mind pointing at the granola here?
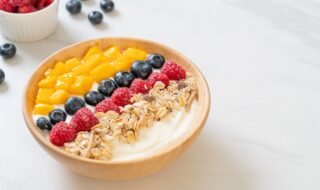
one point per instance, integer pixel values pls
(142, 113)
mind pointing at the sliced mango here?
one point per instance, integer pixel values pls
(103, 71)
(59, 97)
(81, 85)
(48, 82)
(112, 53)
(122, 63)
(135, 54)
(94, 60)
(44, 95)
(64, 81)
(90, 52)
(42, 109)
(72, 63)
(81, 70)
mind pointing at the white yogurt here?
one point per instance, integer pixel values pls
(155, 138)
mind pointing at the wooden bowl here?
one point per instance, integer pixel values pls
(116, 170)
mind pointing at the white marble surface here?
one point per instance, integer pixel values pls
(262, 62)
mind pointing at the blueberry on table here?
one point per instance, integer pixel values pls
(8, 50)
(106, 5)
(141, 69)
(2, 76)
(107, 86)
(93, 98)
(155, 60)
(73, 104)
(73, 6)
(124, 79)
(95, 17)
(57, 115)
(43, 123)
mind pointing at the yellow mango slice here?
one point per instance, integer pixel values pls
(90, 52)
(72, 63)
(81, 70)
(122, 63)
(59, 68)
(103, 71)
(42, 109)
(94, 60)
(59, 97)
(81, 85)
(112, 53)
(65, 81)
(44, 95)
(48, 82)
(135, 54)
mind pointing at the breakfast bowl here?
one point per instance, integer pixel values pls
(29, 27)
(120, 169)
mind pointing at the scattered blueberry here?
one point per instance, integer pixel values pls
(124, 79)
(57, 115)
(8, 50)
(73, 6)
(95, 17)
(2, 76)
(156, 60)
(107, 86)
(106, 5)
(93, 98)
(141, 69)
(43, 123)
(73, 104)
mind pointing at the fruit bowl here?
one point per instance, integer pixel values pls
(118, 169)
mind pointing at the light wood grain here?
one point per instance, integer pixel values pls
(117, 170)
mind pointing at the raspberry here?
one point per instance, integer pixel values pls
(5, 6)
(19, 3)
(62, 133)
(173, 71)
(40, 4)
(26, 9)
(83, 120)
(107, 105)
(155, 77)
(121, 96)
(139, 86)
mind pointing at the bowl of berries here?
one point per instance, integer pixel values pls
(28, 20)
(116, 108)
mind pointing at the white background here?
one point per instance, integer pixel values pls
(262, 61)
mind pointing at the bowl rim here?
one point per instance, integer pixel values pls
(43, 141)
(32, 13)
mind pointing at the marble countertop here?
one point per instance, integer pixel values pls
(262, 62)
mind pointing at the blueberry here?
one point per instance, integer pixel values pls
(124, 79)
(141, 69)
(57, 115)
(73, 6)
(93, 98)
(106, 5)
(2, 76)
(8, 50)
(156, 60)
(73, 104)
(43, 123)
(95, 17)
(107, 86)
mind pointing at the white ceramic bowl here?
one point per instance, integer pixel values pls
(29, 27)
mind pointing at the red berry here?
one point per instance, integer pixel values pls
(107, 105)
(48, 2)
(26, 9)
(40, 4)
(62, 133)
(155, 77)
(121, 96)
(19, 3)
(5, 6)
(139, 86)
(173, 71)
(83, 120)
